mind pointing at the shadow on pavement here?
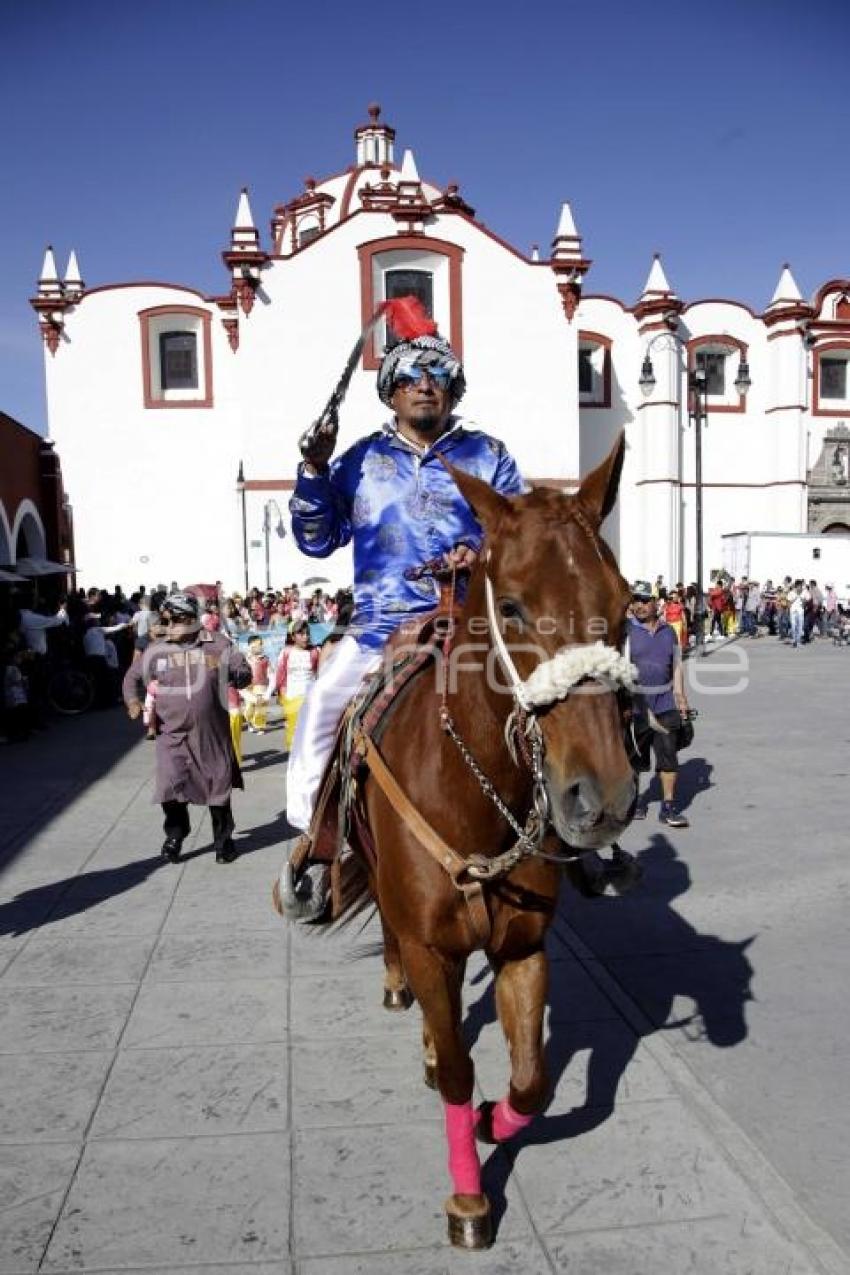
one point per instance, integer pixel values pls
(52, 769)
(274, 833)
(657, 957)
(252, 762)
(694, 778)
(46, 904)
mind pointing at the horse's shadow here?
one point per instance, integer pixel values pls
(660, 961)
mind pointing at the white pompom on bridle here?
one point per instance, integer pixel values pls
(554, 678)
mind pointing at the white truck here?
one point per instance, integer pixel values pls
(773, 555)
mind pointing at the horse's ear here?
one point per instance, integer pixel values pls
(488, 505)
(598, 491)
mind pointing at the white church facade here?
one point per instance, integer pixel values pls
(177, 413)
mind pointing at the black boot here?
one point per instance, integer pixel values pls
(226, 853)
(171, 849)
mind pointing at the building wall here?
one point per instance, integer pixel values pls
(155, 488)
(34, 518)
(148, 485)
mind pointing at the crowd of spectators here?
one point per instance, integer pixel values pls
(794, 611)
(96, 632)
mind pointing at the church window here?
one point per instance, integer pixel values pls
(594, 370)
(406, 283)
(404, 265)
(178, 360)
(833, 378)
(308, 234)
(713, 364)
(176, 356)
(716, 360)
(585, 370)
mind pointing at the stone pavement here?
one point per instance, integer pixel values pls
(188, 1084)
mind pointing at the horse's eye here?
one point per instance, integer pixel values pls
(509, 610)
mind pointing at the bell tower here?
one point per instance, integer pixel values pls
(375, 141)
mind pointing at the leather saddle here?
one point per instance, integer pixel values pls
(410, 650)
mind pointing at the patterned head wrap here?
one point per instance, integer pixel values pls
(182, 606)
(425, 352)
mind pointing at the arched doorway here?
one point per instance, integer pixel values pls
(6, 555)
(28, 536)
(836, 529)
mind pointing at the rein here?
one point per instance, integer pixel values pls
(553, 679)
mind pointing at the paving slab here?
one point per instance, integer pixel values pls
(169, 1202)
(338, 1007)
(187, 1092)
(349, 1082)
(649, 1162)
(219, 955)
(51, 1098)
(373, 1188)
(33, 1182)
(701, 1246)
(49, 960)
(218, 1045)
(211, 1012)
(61, 1019)
(509, 1257)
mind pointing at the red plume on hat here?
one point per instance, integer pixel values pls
(408, 318)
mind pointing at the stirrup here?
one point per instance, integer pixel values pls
(304, 898)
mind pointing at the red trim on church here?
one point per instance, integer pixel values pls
(718, 339)
(144, 325)
(817, 410)
(415, 243)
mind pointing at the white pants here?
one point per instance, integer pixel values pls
(318, 720)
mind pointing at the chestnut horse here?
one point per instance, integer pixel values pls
(545, 583)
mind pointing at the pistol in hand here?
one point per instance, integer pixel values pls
(317, 443)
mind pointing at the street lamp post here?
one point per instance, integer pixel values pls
(240, 487)
(697, 383)
(267, 526)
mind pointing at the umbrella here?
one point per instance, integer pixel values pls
(42, 567)
(315, 580)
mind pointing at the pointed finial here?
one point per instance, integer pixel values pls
(374, 110)
(72, 270)
(786, 291)
(244, 216)
(409, 171)
(656, 281)
(566, 224)
(48, 269)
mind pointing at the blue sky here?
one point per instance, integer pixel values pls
(715, 133)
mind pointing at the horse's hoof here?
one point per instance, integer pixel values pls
(429, 1074)
(470, 1225)
(484, 1123)
(397, 998)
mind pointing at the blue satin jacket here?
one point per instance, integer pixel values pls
(400, 507)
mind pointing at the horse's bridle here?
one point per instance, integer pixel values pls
(553, 679)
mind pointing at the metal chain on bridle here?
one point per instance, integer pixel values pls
(524, 728)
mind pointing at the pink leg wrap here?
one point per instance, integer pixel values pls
(507, 1122)
(464, 1165)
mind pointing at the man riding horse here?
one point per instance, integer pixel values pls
(391, 496)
